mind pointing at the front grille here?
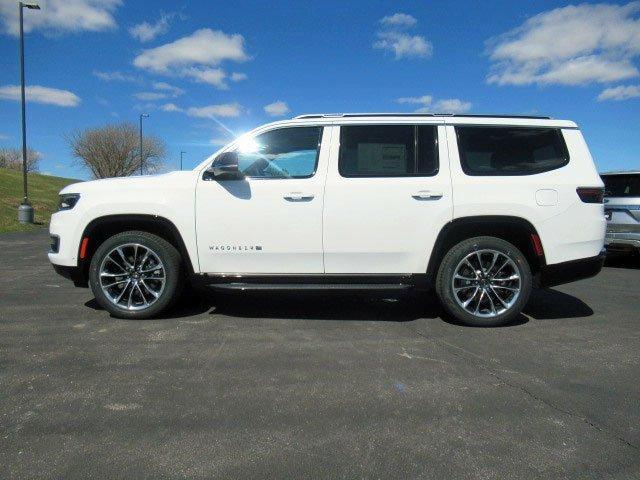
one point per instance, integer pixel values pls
(55, 243)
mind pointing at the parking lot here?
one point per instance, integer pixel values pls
(293, 386)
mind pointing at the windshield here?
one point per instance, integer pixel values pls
(621, 185)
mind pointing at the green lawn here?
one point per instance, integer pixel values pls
(43, 194)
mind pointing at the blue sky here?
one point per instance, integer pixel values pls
(196, 65)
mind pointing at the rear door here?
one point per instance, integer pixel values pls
(388, 193)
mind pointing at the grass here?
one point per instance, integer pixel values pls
(43, 195)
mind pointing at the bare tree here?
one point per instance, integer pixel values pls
(114, 151)
(12, 158)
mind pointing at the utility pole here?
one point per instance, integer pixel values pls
(181, 153)
(25, 210)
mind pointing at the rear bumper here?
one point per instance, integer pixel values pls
(75, 274)
(567, 272)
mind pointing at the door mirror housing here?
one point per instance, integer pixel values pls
(224, 167)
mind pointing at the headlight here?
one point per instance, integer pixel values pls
(68, 201)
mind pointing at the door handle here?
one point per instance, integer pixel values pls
(427, 195)
(298, 197)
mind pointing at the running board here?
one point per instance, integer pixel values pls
(240, 286)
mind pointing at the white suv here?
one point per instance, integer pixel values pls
(480, 208)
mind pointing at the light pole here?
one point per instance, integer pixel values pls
(142, 115)
(181, 153)
(25, 210)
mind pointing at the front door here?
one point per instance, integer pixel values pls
(269, 222)
(386, 199)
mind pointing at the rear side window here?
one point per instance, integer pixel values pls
(621, 185)
(388, 150)
(510, 150)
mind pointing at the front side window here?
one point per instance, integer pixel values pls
(388, 150)
(496, 151)
(283, 153)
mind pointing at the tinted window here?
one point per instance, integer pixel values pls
(283, 153)
(621, 185)
(388, 150)
(510, 150)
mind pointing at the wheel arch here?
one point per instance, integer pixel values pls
(101, 228)
(516, 230)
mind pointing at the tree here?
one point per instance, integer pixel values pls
(12, 158)
(114, 151)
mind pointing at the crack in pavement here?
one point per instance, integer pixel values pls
(482, 364)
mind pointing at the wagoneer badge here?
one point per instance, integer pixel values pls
(235, 248)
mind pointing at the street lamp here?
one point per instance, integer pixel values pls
(142, 115)
(181, 153)
(25, 210)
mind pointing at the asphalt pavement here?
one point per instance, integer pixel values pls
(315, 386)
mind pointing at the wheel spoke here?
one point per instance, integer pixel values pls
(515, 276)
(506, 288)
(479, 255)
(473, 295)
(124, 259)
(129, 302)
(459, 289)
(144, 259)
(117, 300)
(504, 304)
(107, 274)
(462, 277)
(493, 306)
(482, 293)
(150, 290)
(493, 263)
(113, 260)
(144, 300)
(115, 283)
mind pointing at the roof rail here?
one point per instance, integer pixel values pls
(352, 115)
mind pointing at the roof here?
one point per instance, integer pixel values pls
(354, 115)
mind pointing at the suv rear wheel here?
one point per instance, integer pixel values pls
(484, 281)
(135, 275)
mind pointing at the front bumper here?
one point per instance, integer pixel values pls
(567, 272)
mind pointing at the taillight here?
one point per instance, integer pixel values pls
(591, 194)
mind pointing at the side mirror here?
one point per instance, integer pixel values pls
(225, 167)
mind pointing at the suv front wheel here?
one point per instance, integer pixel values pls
(135, 275)
(484, 281)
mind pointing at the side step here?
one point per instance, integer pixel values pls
(242, 286)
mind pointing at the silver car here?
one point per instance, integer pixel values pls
(622, 209)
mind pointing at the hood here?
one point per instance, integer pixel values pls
(131, 183)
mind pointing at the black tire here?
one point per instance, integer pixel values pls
(444, 281)
(171, 261)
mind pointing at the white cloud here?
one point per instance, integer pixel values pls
(115, 76)
(196, 56)
(220, 141)
(213, 111)
(622, 92)
(39, 94)
(4, 137)
(203, 47)
(399, 20)
(277, 109)
(427, 104)
(212, 76)
(392, 38)
(238, 77)
(146, 31)
(171, 107)
(163, 86)
(149, 96)
(58, 16)
(573, 45)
